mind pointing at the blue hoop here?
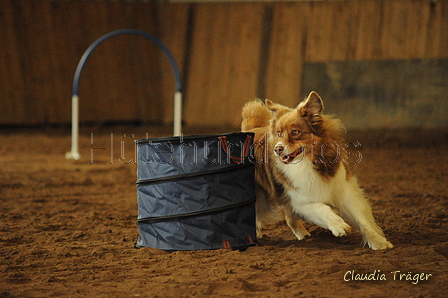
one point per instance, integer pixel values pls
(74, 153)
(149, 36)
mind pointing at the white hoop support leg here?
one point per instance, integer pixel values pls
(74, 154)
(177, 113)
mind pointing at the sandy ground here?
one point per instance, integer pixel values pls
(68, 228)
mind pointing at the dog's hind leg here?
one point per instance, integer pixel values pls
(266, 211)
(294, 222)
(261, 214)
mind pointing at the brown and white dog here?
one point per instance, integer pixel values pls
(301, 171)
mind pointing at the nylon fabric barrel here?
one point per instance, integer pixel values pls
(196, 192)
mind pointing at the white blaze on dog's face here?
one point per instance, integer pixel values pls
(295, 129)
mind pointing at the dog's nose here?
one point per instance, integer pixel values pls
(278, 150)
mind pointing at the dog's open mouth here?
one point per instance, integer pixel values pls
(288, 158)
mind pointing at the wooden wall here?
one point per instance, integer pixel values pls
(228, 53)
(41, 44)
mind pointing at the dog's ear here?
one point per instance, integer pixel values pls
(275, 108)
(312, 105)
(311, 108)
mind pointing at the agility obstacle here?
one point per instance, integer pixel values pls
(74, 153)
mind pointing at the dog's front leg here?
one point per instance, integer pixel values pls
(323, 216)
(356, 210)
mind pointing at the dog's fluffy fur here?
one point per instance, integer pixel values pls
(301, 171)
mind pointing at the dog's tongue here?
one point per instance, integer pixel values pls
(285, 159)
(288, 158)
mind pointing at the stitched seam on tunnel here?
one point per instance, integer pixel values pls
(178, 177)
(178, 217)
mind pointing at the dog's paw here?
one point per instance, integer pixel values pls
(340, 228)
(376, 241)
(380, 244)
(301, 234)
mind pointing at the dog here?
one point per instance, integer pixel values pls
(301, 171)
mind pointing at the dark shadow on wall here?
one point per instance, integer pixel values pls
(386, 93)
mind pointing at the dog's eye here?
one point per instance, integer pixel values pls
(279, 133)
(295, 132)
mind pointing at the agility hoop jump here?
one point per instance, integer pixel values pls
(74, 153)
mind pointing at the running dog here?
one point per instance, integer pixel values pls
(301, 171)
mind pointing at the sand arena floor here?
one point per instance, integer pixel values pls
(68, 228)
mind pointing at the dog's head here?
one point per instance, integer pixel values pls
(297, 130)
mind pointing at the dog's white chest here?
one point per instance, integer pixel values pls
(307, 185)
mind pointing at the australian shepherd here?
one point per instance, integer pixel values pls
(301, 171)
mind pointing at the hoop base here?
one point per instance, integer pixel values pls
(72, 155)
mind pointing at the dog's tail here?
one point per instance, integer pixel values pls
(255, 114)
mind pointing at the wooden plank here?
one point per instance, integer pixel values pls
(49, 99)
(415, 31)
(398, 29)
(12, 81)
(433, 28)
(319, 31)
(343, 30)
(208, 70)
(287, 50)
(395, 21)
(94, 103)
(442, 7)
(403, 36)
(173, 20)
(368, 30)
(224, 62)
(69, 48)
(33, 52)
(331, 31)
(244, 58)
(120, 85)
(146, 64)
